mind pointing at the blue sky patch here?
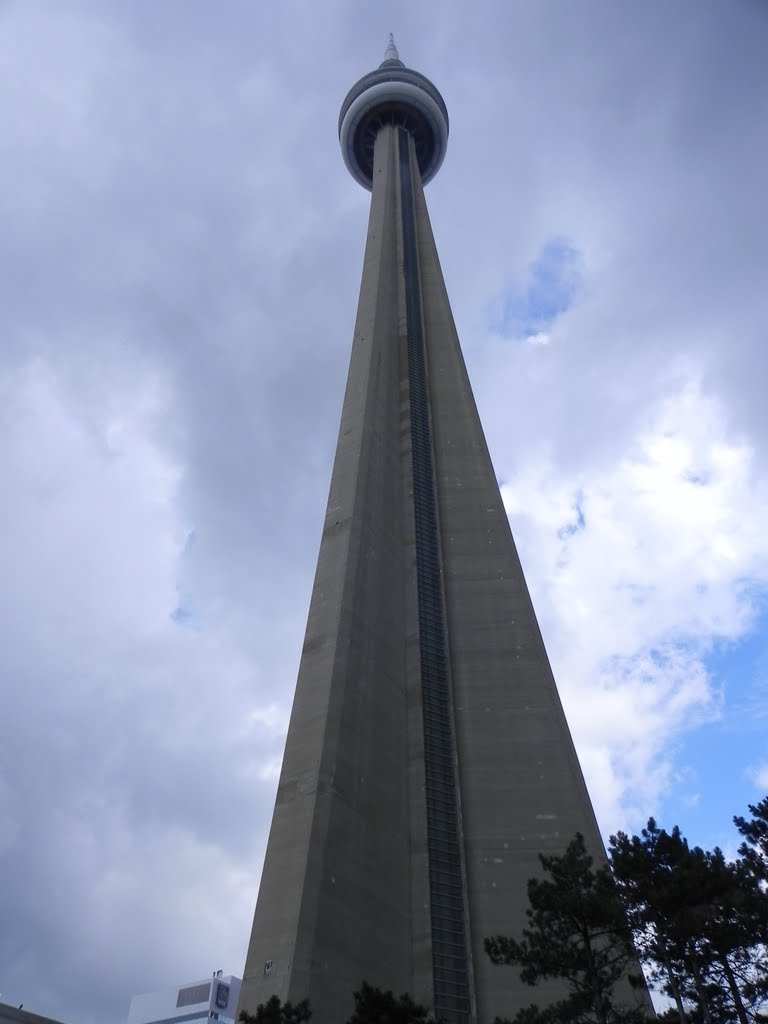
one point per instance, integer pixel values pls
(181, 615)
(711, 789)
(553, 282)
(577, 523)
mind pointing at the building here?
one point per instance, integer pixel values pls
(428, 760)
(18, 1015)
(213, 998)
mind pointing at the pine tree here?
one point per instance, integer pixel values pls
(276, 1012)
(698, 922)
(753, 863)
(375, 1006)
(577, 933)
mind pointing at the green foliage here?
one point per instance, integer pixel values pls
(755, 832)
(276, 1012)
(753, 852)
(577, 933)
(374, 1006)
(699, 921)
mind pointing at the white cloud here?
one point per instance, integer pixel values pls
(128, 738)
(657, 556)
(758, 774)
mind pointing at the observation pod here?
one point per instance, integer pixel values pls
(393, 94)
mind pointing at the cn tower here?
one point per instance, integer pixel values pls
(428, 761)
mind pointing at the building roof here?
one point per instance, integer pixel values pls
(18, 1015)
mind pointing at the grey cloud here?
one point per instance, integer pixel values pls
(178, 223)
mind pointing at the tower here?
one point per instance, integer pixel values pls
(428, 760)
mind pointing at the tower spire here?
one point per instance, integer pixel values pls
(391, 56)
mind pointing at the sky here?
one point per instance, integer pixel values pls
(180, 256)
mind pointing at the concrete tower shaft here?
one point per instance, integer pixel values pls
(428, 761)
(344, 890)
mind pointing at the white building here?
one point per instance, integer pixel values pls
(212, 998)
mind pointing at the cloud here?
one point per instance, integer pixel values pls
(179, 266)
(127, 739)
(637, 571)
(758, 774)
